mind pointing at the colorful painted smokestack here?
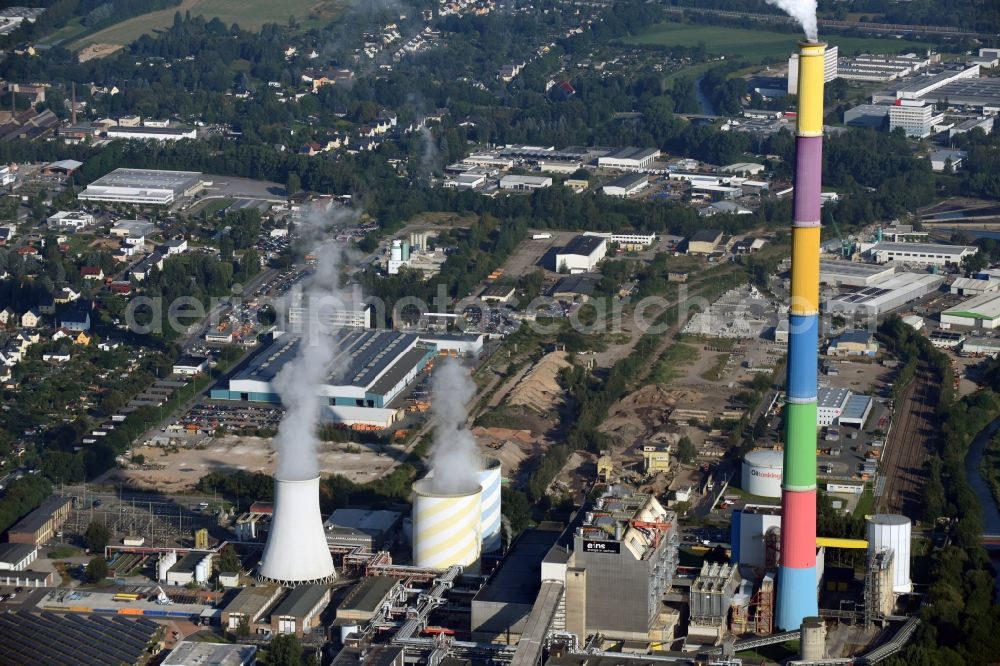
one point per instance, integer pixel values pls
(797, 595)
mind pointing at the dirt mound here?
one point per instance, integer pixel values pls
(98, 51)
(539, 389)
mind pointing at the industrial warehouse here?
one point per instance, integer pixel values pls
(377, 364)
(143, 186)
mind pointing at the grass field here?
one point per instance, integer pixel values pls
(247, 13)
(758, 44)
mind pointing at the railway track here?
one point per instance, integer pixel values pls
(906, 453)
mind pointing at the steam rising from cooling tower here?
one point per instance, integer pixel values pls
(803, 11)
(455, 461)
(297, 552)
(299, 382)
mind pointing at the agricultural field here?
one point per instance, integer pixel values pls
(247, 13)
(759, 44)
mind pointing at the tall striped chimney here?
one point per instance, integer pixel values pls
(797, 585)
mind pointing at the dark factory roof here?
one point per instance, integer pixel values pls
(583, 245)
(366, 353)
(27, 639)
(518, 577)
(301, 600)
(369, 594)
(188, 563)
(36, 520)
(14, 553)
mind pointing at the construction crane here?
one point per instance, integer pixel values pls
(846, 246)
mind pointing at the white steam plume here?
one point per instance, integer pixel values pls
(455, 459)
(300, 380)
(803, 11)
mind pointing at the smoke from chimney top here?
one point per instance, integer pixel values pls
(803, 11)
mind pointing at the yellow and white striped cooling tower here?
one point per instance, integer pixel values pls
(446, 528)
(489, 526)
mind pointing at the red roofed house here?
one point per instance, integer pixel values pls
(92, 273)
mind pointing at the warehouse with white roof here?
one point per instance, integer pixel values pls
(885, 296)
(143, 186)
(926, 254)
(982, 311)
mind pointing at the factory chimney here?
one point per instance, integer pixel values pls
(797, 595)
(72, 103)
(296, 552)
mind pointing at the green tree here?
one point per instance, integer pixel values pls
(229, 561)
(285, 651)
(97, 569)
(294, 184)
(96, 536)
(516, 508)
(686, 450)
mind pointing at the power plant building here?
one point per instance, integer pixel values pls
(615, 564)
(504, 603)
(41, 524)
(299, 612)
(367, 529)
(755, 536)
(711, 596)
(250, 606)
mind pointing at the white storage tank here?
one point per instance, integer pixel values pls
(762, 471)
(396, 252)
(490, 480)
(203, 570)
(887, 530)
(446, 526)
(166, 561)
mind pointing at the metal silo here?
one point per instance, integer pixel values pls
(887, 530)
(446, 527)
(489, 526)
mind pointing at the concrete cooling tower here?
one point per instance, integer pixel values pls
(446, 527)
(296, 552)
(489, 526)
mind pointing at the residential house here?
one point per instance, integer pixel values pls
(75, 320)
(8, 316)
(174, 246)
(92, 273)
(141, 270)
(81, 338)
(46, 305)
(7, 234)
(66, 295)
(31, 319)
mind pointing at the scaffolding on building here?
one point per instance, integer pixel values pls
(878, 586)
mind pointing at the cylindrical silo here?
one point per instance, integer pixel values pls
(489, 526)
(396, 252)
(166, 561)
(406, 250)
(203, 570)
(296, 552)
(762, 471)
(446, 527)
(813, 645)
(887, 530)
